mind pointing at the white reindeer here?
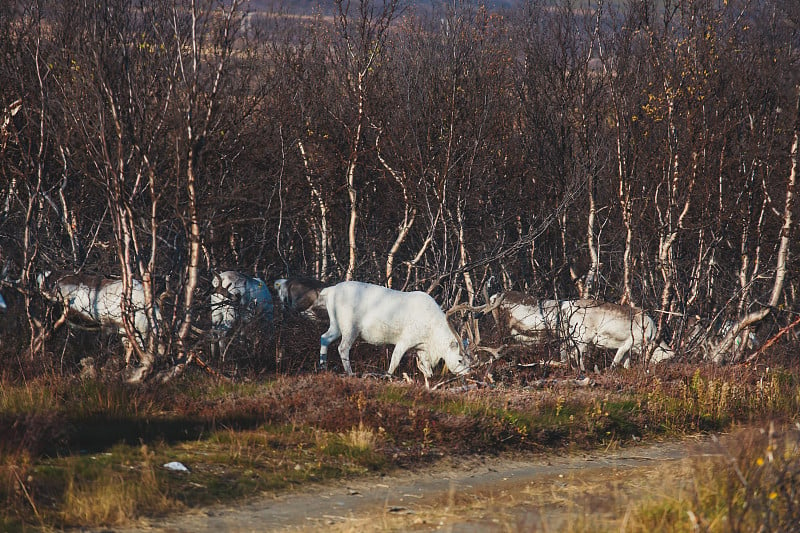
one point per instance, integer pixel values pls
(408, 320)
(528, 321)
(582, 323)
(703, 335)
(237, 297)
(610, 326)
(98, 301)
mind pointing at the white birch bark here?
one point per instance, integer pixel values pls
(321, 233)
(723, 349)
(409, 215)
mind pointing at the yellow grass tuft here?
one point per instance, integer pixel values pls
(361, 438)
(112, 498)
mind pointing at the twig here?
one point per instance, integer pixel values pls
(552, 363)
(445, 382)
(27, 494)
(194, 358)
(773, 340)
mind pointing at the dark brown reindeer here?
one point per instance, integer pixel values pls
(237, 298)
(298, 294)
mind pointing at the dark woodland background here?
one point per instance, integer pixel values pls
(632, 151)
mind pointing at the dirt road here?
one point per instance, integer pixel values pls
(589, 491)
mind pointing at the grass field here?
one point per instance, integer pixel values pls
(90, 452)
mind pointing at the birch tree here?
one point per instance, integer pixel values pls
(202, 50)
(723, 349)
(362, 36)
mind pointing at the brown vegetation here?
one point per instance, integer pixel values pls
(89, 452)
(640, 152)
(636, 152)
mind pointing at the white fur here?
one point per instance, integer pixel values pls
(408, 320)
(282, 288)
(582, 323)
(614, 327)
(745, 340)
(703, 335)
(529, 321)
(98, 300)
(238, 297)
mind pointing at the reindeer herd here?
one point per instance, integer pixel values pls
(409, 321)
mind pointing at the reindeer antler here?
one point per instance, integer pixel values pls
(495, 352)
(486, 308)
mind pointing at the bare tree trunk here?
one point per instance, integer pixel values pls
(671, 223)
(124, 222)
(696, 277)
(30, 249)
(625, 204)
(574, 275)
(351, 186)
(422, 249)
(196, 134)
(193, 268)
(463, 257)
(322, 235)
(719, 352)
(409, 215)
(750, 269)
(623, 190)
(363, 46)
(592, 276)
(67, 215)
(590, 284)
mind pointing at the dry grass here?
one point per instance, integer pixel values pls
(72, 450)
(361, 438)
(754, 485)
(112, 498)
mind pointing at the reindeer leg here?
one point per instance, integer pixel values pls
(622, 351)
(571, 348)
(278, 349)
(214, 346)
(424, 366)
(565, 351)
(579, 355)
(344, 352)
(224, 343)
(327, 338)
(397, 356)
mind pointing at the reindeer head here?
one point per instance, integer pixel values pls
(468, 350)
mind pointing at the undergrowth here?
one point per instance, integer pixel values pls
(91, 452)
(753, 485)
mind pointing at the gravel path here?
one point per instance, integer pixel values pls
(546, 493)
